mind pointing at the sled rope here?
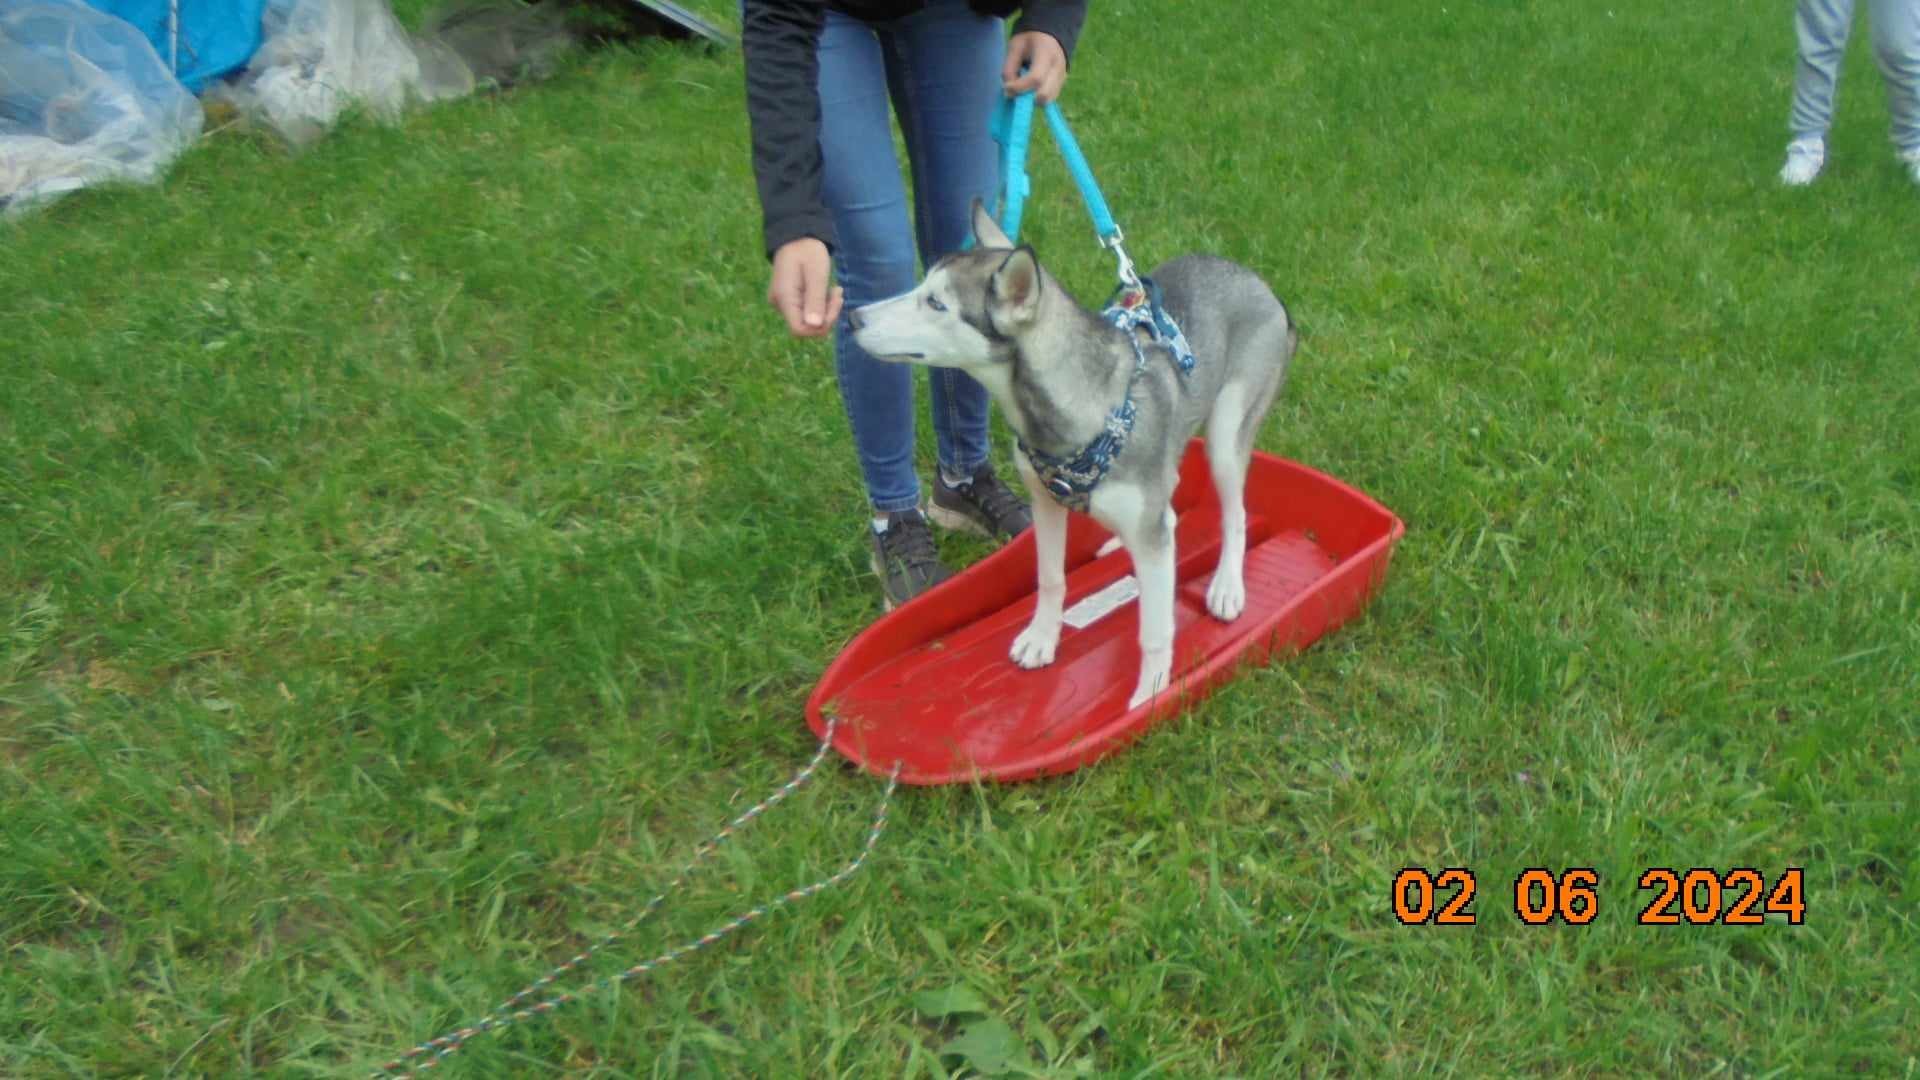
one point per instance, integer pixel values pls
(514, 1009)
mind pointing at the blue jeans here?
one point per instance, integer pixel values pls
(940, 69)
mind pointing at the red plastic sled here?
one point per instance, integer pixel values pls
(930, 687)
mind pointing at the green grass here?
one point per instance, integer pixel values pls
(410, 549)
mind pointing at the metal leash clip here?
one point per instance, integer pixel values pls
(1129, 277)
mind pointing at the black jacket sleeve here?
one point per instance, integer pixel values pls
(781, 39)
(1060, 18)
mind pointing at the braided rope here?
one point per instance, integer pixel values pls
(511, 1011)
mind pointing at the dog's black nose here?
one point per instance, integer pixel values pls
(854, 320)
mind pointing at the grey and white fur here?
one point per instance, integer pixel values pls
(1056, 369)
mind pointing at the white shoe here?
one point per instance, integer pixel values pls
(1911, 159)
(1804, 159)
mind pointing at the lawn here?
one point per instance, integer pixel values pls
(411, 549)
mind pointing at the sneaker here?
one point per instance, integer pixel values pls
(982, 504)
(904, 558)
(1911, 159)
(1804, 159)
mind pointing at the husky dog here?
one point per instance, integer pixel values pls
(1061, 374)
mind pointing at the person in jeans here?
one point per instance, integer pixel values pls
(1822, 27)
(821, 76)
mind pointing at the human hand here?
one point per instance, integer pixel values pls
(1045, 62)
(798, 289)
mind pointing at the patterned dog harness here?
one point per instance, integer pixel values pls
(1134, 308)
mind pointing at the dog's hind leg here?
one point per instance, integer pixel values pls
(1113, 543)
(1035, 645)
(1227, 593)
(1231, 427)
(1274, 345)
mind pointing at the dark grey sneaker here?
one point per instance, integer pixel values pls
(904, 557)
(982, 504)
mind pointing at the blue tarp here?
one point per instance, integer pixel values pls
(83, 100)
(216, 37)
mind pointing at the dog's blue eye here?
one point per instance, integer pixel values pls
(935, 304)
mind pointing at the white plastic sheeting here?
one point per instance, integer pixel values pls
(84, 99)
(322, 56)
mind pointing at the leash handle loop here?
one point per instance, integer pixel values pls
(1013, 129)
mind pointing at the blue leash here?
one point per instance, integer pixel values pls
(1135, 307)
(1012, 128)
(1082, 174)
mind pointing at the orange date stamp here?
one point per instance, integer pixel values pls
(1696, 897)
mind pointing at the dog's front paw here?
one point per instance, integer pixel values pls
(1227, 596)
(1153, 679)
(1035, 645)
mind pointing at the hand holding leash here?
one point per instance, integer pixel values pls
(1036, 64)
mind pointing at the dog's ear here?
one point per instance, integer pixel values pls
(1016, 286)
(986, 231)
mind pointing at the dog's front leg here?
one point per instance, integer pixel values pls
(1152, 551)
(1036, 644)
